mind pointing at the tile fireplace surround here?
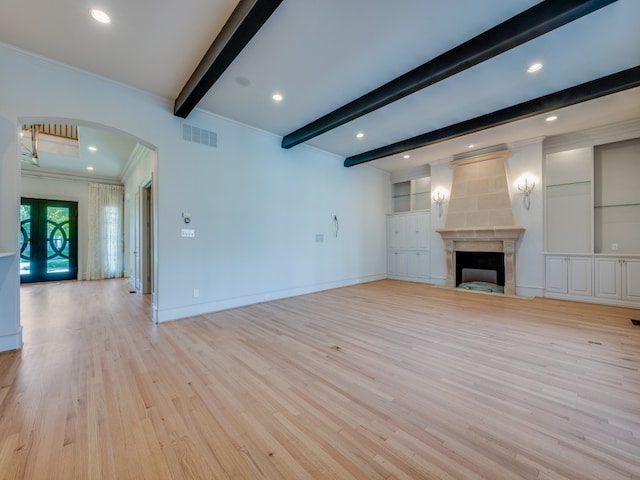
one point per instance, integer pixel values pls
(480, 217)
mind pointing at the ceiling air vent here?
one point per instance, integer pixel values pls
(199, 135)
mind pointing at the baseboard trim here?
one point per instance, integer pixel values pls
(11, 341)
(409, 279)
(592, 299)
(524, 291)
(162, 315)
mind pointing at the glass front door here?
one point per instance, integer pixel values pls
(48, 240)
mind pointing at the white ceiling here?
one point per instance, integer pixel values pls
(109, 156)
(322, 54)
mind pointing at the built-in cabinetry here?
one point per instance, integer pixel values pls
(617, 278)
(592, 223)
(408, 246)
(569, 275)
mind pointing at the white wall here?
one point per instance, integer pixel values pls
(143, 168)
(441, 178)
(525, 159)
(256, 207)
(10, 329)
(67, 190)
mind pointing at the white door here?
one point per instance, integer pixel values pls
(135, 262)
(147, 239)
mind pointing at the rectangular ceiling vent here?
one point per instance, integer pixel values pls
(194, 134)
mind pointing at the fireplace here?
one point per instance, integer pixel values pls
(497, 239)
(480, 221)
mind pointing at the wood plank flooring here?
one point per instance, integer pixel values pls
(386, 380)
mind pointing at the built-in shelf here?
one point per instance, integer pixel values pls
(407, 195)
(411, 195)
(7, 254)
(621, 205)
(587, 182)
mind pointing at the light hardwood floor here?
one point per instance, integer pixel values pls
(387, 380)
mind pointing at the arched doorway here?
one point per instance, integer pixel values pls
(116, 159)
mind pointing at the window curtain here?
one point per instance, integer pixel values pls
(106, 235)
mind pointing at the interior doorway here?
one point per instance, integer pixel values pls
(146, 238)
(66, 167)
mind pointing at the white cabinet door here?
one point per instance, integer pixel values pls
(418, 230)
(392, 263)
(398, 263)
(608, 276)
(556, 274)
(397, 231)
(418, 264)
(423, 264)
(579, 276)
(402, 263)
(631, 279)
(569, 275)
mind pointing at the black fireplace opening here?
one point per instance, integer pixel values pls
(480, 267)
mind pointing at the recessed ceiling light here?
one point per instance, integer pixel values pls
(551, 118)
(359, 135)
(277, 97)
(92, 148)
(534, 67)
(406, 156)
(472, 145)
(100, 16)
(90, 168)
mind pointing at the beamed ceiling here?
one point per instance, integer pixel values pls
(419, 78)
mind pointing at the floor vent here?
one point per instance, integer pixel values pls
(635, 322)
(199, 135)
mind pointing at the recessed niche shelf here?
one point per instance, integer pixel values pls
(411, 195)
(621, 205)
(407, 195)
(568, 184)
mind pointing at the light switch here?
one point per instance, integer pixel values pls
(188, 232)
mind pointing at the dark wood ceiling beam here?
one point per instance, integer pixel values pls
(600, 87)
(246, 19)
(537, 20)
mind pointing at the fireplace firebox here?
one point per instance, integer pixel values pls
(480, 267)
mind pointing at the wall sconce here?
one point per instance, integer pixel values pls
(438, 199)
(526, 189)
